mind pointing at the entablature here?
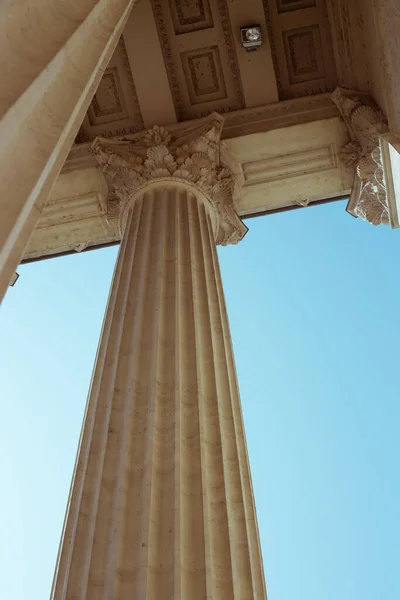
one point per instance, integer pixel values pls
(283, 155)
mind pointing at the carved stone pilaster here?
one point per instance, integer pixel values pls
(366, 123)
(190, 155)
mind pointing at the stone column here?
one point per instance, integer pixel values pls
(52, 56)
(161, 506)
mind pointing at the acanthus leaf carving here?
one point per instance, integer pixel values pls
(366, 123)
(191, 155)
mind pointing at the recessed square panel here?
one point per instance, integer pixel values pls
(304, 54)
(190, 15)
(287, 5)
(201, 64)
(203, 74)
(108, 103)
(114, 109)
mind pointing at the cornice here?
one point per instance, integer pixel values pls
(237, 124)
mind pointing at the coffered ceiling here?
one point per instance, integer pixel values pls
(301, 47)
(182, 59)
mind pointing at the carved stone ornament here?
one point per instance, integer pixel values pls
(365, 123)
(190, 155)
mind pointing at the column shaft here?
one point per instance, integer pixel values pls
(161, 506)
(49, 83)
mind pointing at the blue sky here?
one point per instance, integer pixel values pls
(313, 297)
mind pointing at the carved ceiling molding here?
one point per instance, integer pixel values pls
(127, 68)
(339, 18)
(158, 9)
(230, 45)
(190, 156)
(348, 37)
(299, 37)
(238, 123)
(123, 118)
(366, 123)
(272, 43)
(177, 54)
(279, 114)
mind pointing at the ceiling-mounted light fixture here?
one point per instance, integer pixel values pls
(251, 37)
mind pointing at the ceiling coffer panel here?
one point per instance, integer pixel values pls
(192, 15)
(114, 109)
(199, 55)
(301, 47)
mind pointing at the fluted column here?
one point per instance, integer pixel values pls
(161, 506)
(52, 56)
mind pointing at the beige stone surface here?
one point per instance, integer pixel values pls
(148, 75)
(386, 17)
(366, 45)
(351, 42)
(49, 82)
(161, 505)
(285, 166)
(256, 68)
(76, 215)
(290, 166)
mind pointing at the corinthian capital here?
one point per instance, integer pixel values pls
(190, 155)
(366, 123)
